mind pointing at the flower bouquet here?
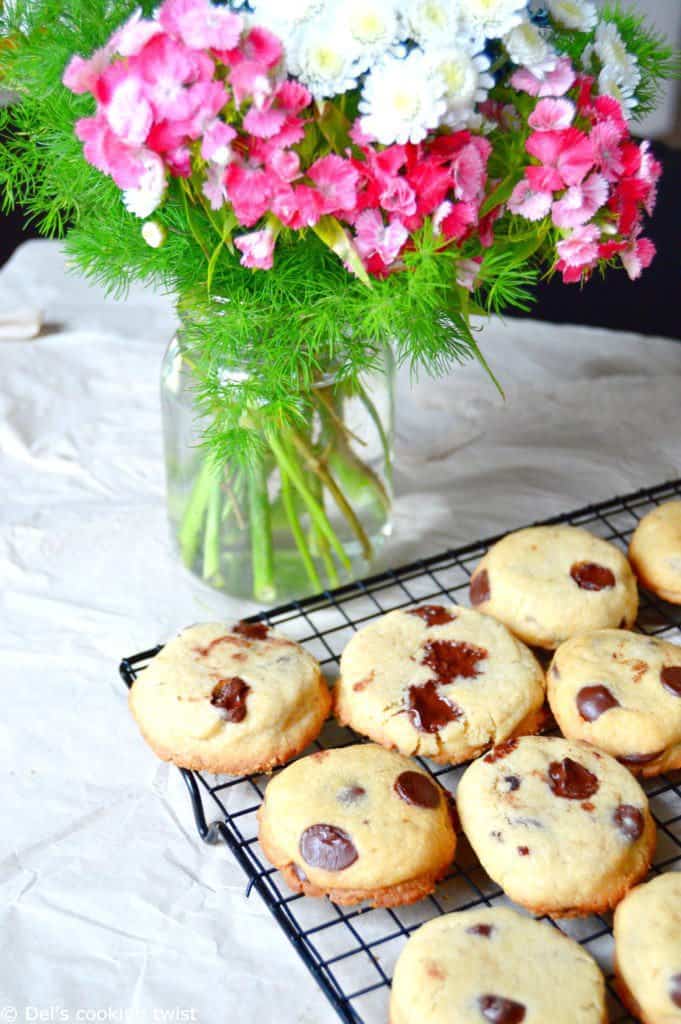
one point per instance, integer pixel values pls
(324, 185)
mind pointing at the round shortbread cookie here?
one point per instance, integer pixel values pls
(234, 700)
(655, 551)
(358, 823)
(443, 682)
(647, 931)
(495, 966)
(548, 583)
(620, 692)
(564, 829)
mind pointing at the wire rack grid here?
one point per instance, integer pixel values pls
(351, 952)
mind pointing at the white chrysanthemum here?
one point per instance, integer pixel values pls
(431, 21)
(610, 84)
(402, 99)
(527, 46)
(285, 19)
(494, 18)
(374, 24)
(579, 15)
(466, 81)
(616, 59)
(327, 59)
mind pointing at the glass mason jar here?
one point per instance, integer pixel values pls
(310, 516)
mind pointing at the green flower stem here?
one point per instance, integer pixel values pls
(385, 444)
(320, 541)
(318, 467)
(194, 514)
(317, 513)
(211, 541)
(298, 535)
(262, 555)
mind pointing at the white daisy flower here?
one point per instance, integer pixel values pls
(327, 59)
(402, 99)
(610, 48)
(374, 24)
(493, 18)
(431, 21)
(466, 81)
(579, 15)
(610, 84)
(527, 46)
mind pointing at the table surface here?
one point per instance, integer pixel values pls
(112, 909)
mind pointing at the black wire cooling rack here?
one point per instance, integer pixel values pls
(352, 952)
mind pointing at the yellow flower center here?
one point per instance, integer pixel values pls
(367, 26)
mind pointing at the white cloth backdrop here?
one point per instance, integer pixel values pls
(109, 903)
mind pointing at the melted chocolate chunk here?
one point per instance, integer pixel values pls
(299, 873)
(501, 750)
(593, 701)
(640, 758)
(629, 821)
(675, 989)
(480, 589)
(671, 679)
(450, 659)
(327, 847)
(485, 930)
(569, 779)
(230, 696)
(432, 614)
(417, 789)
(350, 794)
(498, 1010)
(252, 630)
(523, 851)
(428, 711)
(591, 576)
(513, 782)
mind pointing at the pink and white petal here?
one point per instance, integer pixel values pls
(257, 248)
(264, 123)
(529, 203)
(552, 115)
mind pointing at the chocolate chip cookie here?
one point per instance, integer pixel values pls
(621, 692)
(548, 583)
(564, 829)
(234, 699)
(495, 966)
(655, 551)
(358, 823)
(647, 931)
(441, 681)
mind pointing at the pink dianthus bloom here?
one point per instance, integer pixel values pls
(530, 203)
(257, 249)
(554, 83)
(566, 156)
(552, 115)
(336, 180)
(581, 202)
(578, 252)
(637, 257)
(374, 237)
(201, 24)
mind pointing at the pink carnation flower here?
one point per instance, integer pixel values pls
(552, 115)
(530, 203)
(285, 163)
(578, 252)
(605, 139)
(259, 45)
(469, 172)
(398, 197)
(637, 257)
(566, 156)
(249, 191)
(107, 153)
(134, 35)
(554, 83)
(128, 111)
(201, 24)
(215, 145)
(336, 180)
(214, 187)
(257, 249)
(264, 122)
(250, 81)
(81, 76)
(167, 68)
(467, 272)
(375, 238)
(581, 202)
(298, 207)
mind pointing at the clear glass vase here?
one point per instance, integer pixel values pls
(314, 511)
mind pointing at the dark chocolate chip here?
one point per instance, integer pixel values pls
(675, 989)
(480, 589)
(432, 614)
(501, 1011)
(523, 851)
(230, 696)
(671, 679)
(593, 701)
(640, 758)
(327, 847)
(450, 659)
(513, 782)
(629, 821)
(484, 930)
(591, 576)
(252, 630)
(501, 750)
(555, 671)
(428, 711)
(350, 794)
(417, 789)
(569, 779)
